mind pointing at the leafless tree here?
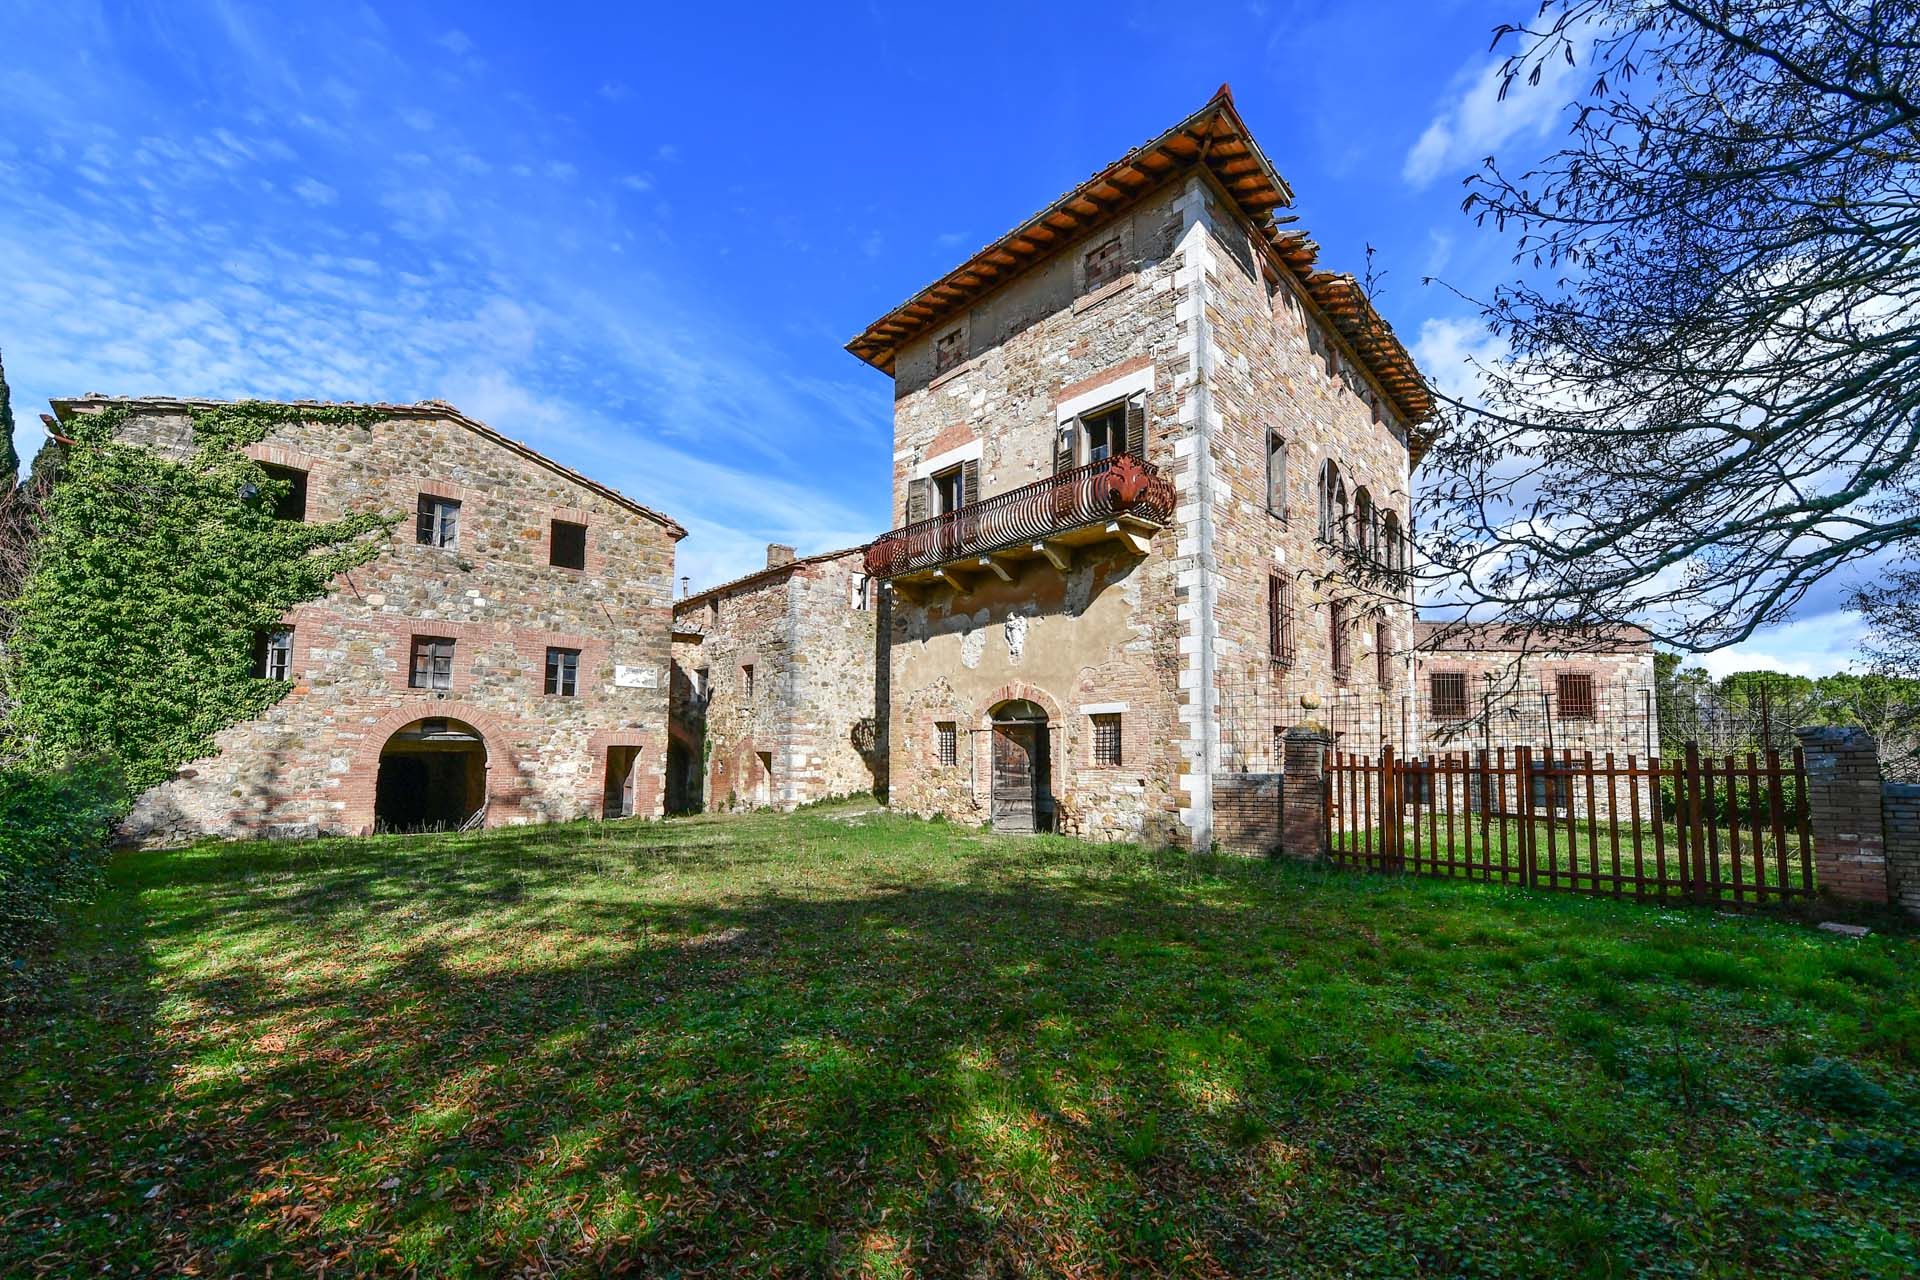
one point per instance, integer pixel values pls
(1710, 392)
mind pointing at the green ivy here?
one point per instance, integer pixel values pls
(135, 628)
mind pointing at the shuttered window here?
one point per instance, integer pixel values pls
(1447, 692)
(1575, 689)
(432, 663)
(946, 737)
(437, 522)
(1106, 738)
(1277, 474)
(1280, 620)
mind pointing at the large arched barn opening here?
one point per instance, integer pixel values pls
(433, 776)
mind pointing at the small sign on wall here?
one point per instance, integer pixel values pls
(635, 678)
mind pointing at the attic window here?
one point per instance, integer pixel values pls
(1104, 263)
(567, 545)
(947, 351)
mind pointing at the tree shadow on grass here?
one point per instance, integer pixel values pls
(528, 1053)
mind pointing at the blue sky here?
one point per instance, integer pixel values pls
(638, 236)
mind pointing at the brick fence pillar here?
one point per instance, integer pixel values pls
(1303, 827)
(1843, 803)
(1900, 813)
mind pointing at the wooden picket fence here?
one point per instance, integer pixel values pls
(1684, 829)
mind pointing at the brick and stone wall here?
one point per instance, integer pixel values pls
(1900, 822)
(1844, 799)
(311, 762)
(807, 729)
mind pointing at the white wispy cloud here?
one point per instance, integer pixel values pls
(1473, 122)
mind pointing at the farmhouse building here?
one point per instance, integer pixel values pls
(775, 701)
(504, 660)
(1151, 488)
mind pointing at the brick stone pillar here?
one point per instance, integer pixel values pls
(1843, 802)
(1900, 814)
(1303, 827)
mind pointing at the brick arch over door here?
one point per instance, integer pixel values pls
(1020, 691)
(503, 773)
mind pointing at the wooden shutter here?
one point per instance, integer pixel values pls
(970, 481)
(918, 493)
(1063, 448)
(1137, 426)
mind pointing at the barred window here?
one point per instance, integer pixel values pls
(1337, 640)
(1280, 619)
(947, 742)
(437, 522)
(563, 672)
(1447, 690)
(1575, 690)
(273, 654)
(432, 663)
(746, 680)
(1106, 738)
(1383, 653)
(567, 546)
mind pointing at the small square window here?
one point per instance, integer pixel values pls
(567, 547)
(291, 504)
(1105, 263)
(432, 663)
(1106, 738)
(273, 654)
(947, 742)
(948, 351)
(437, 522)
(1575, 690)
(563, 673)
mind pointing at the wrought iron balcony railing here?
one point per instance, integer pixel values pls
(1113, 489)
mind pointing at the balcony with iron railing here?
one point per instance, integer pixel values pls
(1119, 499)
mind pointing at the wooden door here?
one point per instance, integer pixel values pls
(1014, 776)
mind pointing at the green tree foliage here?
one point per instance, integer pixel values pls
(9, 456)
(135, 627)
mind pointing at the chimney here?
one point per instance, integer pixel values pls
(685, 586)
(778, 554)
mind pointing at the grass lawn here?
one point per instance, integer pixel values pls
(846, 1043)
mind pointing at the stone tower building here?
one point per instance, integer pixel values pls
(1151, 479)
(774, 687)
(504, 660)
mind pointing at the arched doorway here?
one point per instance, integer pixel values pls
(1022, 776)
(433, 776)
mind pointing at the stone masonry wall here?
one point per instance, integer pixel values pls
(1277, 367)
(1900, 817)
(808, 633)
(311, 761)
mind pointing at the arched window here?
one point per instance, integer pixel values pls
(1334, 523)
(1393, 550)
(1363, 526)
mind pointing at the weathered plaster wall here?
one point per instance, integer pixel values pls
(312, 759)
